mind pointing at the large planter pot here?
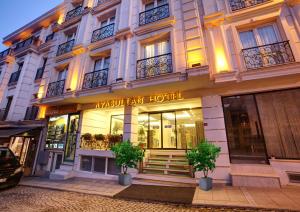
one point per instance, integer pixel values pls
(205, 183)
(125, 179)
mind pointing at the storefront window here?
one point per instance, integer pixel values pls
(101, 129)
(57, 131)
(71, 137)
(181, 129)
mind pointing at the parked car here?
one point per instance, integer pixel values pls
(11, 170)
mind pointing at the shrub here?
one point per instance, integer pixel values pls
(127, 155)
(203, 157)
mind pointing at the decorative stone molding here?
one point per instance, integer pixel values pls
(101, 43)
(161, 24)
(7, 59)
(104, 6)
(214, 19)
(79, 49)
(124, 33)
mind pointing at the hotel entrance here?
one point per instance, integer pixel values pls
(177, 128)
(180, 129)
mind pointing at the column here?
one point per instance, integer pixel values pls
(215, 132)
(131, 124)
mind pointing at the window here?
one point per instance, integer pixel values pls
(62, 75)
(156, 49)
(260, 36)
(31, 113)
(155, 3)
(71, 36)
(108, 21)
(57, 132)
(6, 110)
(102, 63)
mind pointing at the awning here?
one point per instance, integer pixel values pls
(9, 132)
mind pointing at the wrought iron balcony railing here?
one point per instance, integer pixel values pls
(56, 88)
(5, 53)
(49, 37)
(268, 55)
(73, 13)
(154, 14)
(25, 43)
(65, 47)
(39, 73)
(95, 79)
(14, 77)
(241, 4)
(154, 66)
(103, 32)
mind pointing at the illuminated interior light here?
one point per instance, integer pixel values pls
(221, 62)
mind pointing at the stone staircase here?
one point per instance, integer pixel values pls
(166, 163)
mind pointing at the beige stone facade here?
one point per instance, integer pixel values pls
(93, 63)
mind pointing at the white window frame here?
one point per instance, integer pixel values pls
(63, 73)
(257, 36)
(155, 4)
(156, 47)
(102, 63)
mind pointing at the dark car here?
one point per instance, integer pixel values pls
(10, 169)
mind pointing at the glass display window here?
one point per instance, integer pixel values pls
(57, 132)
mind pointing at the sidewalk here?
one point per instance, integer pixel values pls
(220, 195)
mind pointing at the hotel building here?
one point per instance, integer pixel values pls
(163, 74)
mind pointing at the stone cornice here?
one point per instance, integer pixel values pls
(107, 5)
(124, 33)
(214, 19)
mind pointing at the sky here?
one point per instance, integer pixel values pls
(16, 13)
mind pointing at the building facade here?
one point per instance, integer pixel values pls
(163, 74)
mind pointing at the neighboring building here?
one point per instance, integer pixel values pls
(163, 74)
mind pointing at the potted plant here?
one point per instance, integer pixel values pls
(203, 158)
(87, 138)
(114, 139)
(127, 156)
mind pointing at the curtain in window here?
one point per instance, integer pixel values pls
(62, 75)
(280, 119)
(149, 51)
(106, 62)
(267, 35)
(248, 39)
(98, 64)
(163, 48)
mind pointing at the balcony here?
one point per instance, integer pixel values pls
(14, 77)
(95, 79)
(236, 5)
(103, 32)
(268, 55)
(56, 88)
(39, 73)
(154, 66)
(49, 37)
(65, 47)
(24, 44)
(153, 15)
(5, 53)
(73, 13)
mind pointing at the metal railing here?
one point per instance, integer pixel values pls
(95, 79)
(14, 77)
(49, 37)
(39, 73)
(74, 13)
(268, 55)
(56, 88)
(103, 32)
(241, 4)
(65, 47)
(25, 43)
(5, 53)
(155, 14)
(154, 66)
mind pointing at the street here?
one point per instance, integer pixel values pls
(25, 199)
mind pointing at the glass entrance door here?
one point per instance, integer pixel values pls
(155, 132)
(71, 138)
(169, 131)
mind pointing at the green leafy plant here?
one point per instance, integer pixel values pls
(127, 155)
(203, 157)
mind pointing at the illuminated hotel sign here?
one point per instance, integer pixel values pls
(132, 101)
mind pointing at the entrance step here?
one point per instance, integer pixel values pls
(166, 163)
(164, 180)
(64, 172)
(254, 176)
